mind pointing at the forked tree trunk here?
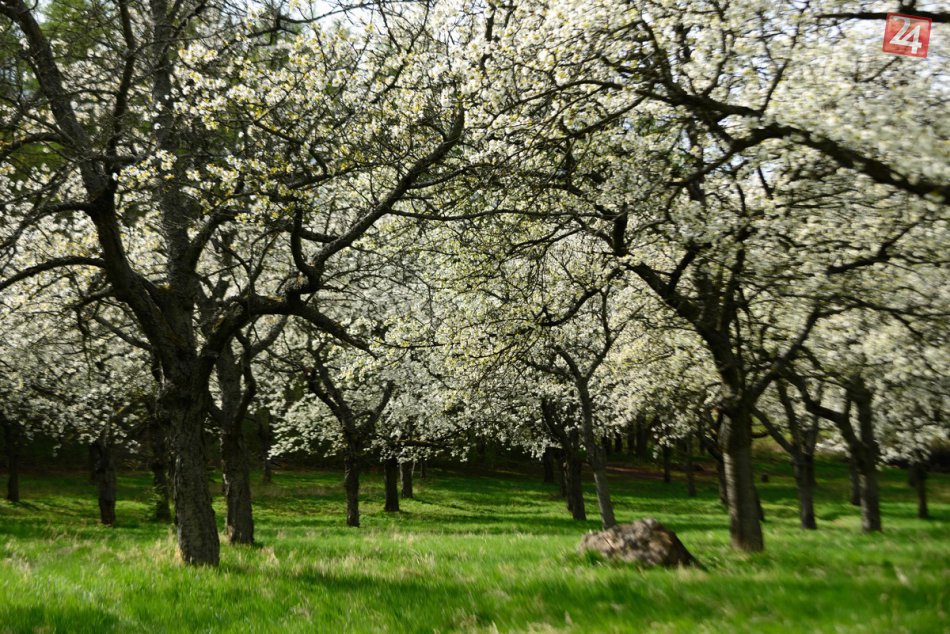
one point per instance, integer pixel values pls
(573, 468)
(11, 437)
(918, 479)
(744, 509)
(197, 530)
(158, 464)
(391, 477)
(104, 471)
(405, 475)
(351, 484)
(804, 469)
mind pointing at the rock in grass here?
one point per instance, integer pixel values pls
(646, 542)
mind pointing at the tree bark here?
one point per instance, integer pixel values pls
(266, 437)
(351, 484)
(105, 477)
(158, 464)
(235, 462)
(186, 408)
(547, 462)
(804, 468)
(744, 509)
(236, 475)
(690, 469)
(11, 437)
(595, 450)
(867, 452)
(918, 479)
(391, 477)
(559, 472)
(667, 477)
(854, 479)
(405, 475)
(643, 440)
(573, 468)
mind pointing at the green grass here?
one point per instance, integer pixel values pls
(473, 553)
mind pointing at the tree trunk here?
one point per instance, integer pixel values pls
(918, 479)
(557, 456)
(744, 510)
(351, 483)
(11, 437)
(197, 529)
(104, 472)
(690, 469)
(236, 475)
(266, 437)
(667, 478)
(643, 440)
(405, 474)
(606, 444)
(423, 473)
(721, 478)
(618, 442)
(547, 462)
(575, 487)
(235, 462)
(595, 450)
(804, 468)
(159, 467)
(866, 451)
(391, 476)
(855, 481)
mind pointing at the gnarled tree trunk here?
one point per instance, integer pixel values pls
(186, 408)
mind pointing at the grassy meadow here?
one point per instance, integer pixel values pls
(474, 552)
